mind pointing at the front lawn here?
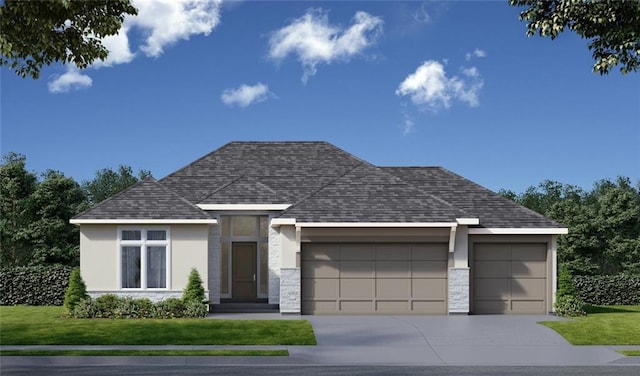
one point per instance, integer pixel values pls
(603, 325)
(144, 353)
(24, 325)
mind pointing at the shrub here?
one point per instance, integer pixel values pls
(76, 292)
(107, 305)
(569, 306)
(194, 309)
(194, 290)
(34, 285)
(609, 290)
(170, 308)
(565, 283)
(85, 309)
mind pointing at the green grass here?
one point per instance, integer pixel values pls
(144, 353)
(24, 325)
(603, 325)
(630, 352)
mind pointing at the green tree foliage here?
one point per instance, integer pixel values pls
(604, 224)
(611, 26)
(54, 202)
(108, 182)
(194, 292)
(16, 187)
(38, 33)
(76, 292)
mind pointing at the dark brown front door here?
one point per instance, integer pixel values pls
(244, 267)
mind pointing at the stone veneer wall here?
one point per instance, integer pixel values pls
(459, 290)
(274, 266)
(154, 296)
(290, 293)
(214, 264)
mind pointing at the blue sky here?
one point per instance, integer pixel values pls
(452, 84)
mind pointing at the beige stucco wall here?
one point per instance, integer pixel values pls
(189, 247)
(99, 255)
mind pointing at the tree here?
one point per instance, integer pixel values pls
(16, 187)
(38, 33)
(54, 202)
(612, 26)
(194, 292)
(108, 182)
(76, 292)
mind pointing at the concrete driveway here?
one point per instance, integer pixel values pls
(445, 340)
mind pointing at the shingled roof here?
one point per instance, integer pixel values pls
(321, 182)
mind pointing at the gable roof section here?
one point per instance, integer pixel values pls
(147, 200)
(369, 194)
(292, 169)
(493, 210)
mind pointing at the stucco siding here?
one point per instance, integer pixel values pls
(189, 247)
(99, 257)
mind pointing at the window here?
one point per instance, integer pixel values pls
(143, 258)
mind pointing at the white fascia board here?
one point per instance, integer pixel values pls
(144, 221)
(244, 207)
(277, 222)
(378, 224)
(468, 221)
(518, 231)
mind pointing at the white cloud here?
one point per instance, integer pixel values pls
(246, 95)
(72, 79)
(421, 15)
(476, 53)
(315, 41)
(167, 21)
(430, 88)
(161, 22)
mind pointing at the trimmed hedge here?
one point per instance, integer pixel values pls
(34, 285)
(110, 306)
(609, 290)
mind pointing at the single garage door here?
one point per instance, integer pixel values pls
(374, 278)
(509, 278)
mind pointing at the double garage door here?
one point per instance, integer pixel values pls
(509, 278)
(374, 278)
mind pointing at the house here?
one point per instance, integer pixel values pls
(313, 229)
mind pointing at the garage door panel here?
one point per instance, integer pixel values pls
(430, 252)
(392, 252)
(491, 269)
(374, 278)
(320, 252)
(492, 288)
(356, 288)
(433, 307)
(492, 306)
(392, 306)
(393, 288)
(320, 269)
(429, 269)
(429, 288)
(527, 306)
(356, 306)
(492, 252)
(357, 269)
(534, 288)
(356, 252)
(393, 269)
(529, 269)
(321, 289)
(534, 252)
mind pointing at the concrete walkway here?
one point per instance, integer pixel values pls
(390, 340)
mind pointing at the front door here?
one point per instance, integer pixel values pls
(244, 268)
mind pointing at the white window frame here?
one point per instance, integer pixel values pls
(143, 243)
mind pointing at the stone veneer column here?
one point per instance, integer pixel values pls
(290, 290)
(214, 263)
(458, 290)
(274, 265)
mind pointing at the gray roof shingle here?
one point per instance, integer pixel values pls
(322, 183)
(146, 200)
(492, 209)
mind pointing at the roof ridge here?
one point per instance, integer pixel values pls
(222, 187)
